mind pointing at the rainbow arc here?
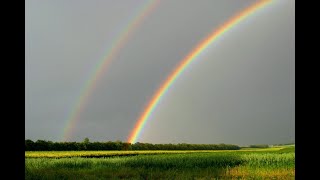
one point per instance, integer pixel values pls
(184, 63)
(103, 65)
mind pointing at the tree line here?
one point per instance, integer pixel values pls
(259, 146)
(42, 145)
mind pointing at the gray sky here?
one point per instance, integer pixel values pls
(239, 91)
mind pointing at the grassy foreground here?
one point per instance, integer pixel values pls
(270, 163)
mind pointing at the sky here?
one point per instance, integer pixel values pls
(240, 90)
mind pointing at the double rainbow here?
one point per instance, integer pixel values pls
(138, 127)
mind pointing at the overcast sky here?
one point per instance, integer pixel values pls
(239, 91)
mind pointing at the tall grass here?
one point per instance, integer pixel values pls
(231, 164)
(97, 154)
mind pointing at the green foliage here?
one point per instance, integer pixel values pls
(29, 145)
(42, 145)
(265, 164)
(86, 140)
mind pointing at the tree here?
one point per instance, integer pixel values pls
(29, 145)
(86, 140)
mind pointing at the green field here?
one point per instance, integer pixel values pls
(247, 163)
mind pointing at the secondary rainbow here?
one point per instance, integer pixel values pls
(102, 66)
(136, 131)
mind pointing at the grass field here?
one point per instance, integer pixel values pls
(269, 163)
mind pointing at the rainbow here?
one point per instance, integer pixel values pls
(184, 63)
(103, 65)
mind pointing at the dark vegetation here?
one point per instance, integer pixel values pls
(259, 146)
(42, 145)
